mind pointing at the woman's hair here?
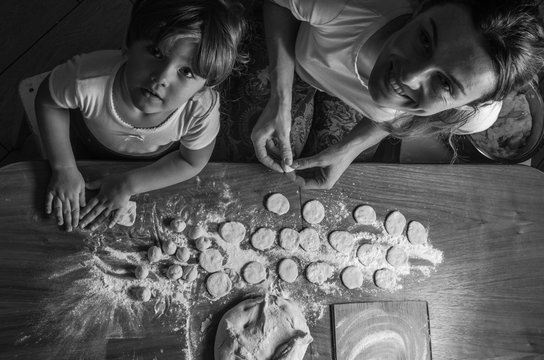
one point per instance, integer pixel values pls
(218, 25)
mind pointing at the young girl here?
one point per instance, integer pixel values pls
(139, 104)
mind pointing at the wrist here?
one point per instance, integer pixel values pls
(59, 168)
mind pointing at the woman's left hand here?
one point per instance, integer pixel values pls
(113, 195)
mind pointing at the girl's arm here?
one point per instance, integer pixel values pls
(116, 190)
(281, 30)
(66, 190)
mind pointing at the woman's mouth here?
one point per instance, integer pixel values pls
(394, 85)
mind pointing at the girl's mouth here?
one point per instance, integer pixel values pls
(148, 93)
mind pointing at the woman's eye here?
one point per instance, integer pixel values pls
(425, 40)
(445, 84)
(185, 71)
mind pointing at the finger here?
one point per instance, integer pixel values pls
(82, 198)
(49, 202)
(67, 214)
(74, 205)
(91, 215)
(286, 152)
(306, 163)
(88, 208)
(115, 219)
(100, 218)
(57, 207)
(262, 156)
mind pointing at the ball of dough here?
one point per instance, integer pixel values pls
(289, 239)
(263, 238)
(128, 214)
(309, 239)
(254, 272)
(203, 243)
(218, 284)
(183, 254)
(143, 294)
(385, 279)
(396, 256)
(174, 272)
(352, 277)
(395, 223)
(277, 203)
(416, 233)
(169, 247)
(369, 253)
(141, 272)
(365, 215)
(177, 225)
(232, 232)
(262, 328)
(313, 212)
(319, 272)
(189, 273)
(341, 241)
(288, 270)
(211, 260)
(196, 232)
(154, 254)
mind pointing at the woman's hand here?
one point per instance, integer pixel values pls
(113, 195)
(65, 195)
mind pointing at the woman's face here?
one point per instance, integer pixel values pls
(434, 63)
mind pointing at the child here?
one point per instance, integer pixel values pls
(138, 104)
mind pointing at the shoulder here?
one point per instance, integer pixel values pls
(317, 11)
(96, 64)
(204, 104)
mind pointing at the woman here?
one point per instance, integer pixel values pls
(431, 72)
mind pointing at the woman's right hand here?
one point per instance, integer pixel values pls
(65, 195)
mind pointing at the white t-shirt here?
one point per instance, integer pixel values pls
(85, 82)
(329, 38)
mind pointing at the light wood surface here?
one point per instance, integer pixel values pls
(485, 300)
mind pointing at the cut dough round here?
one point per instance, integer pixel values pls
(395, 223)
(174, 272)
(263, 238)
(183, 254)
(211, 260)
(416, 233)
(266, 327)
(313, 212)
(203, 243)
(319, 272)
(289, 239)
(396, 256)
(177, 225)
(385, 279)
(277, 203)
(341, 241)
(232, 232)
(365, 215)
(369, 253)
(288, 270)
(196, 232)
(352, 277)
(169, 247)
(218, 284)
(309, 239)
(154, 254)
(254, 272)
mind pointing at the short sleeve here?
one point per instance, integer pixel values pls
(485, 116)
(313, 11)
(63, 84)
(204, 122)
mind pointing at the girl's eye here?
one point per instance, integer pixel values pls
(445, 84)
(185, 71)
(425, 40)
(156, 52)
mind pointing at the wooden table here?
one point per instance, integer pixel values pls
(486, 299)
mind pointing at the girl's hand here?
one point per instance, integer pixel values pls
(65, 195)
(113, 195)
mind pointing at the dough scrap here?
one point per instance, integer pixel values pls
(364, 214)
(183, 254)
(218, 284)
(352, 277)
(385, 279)
(128, 214)
(278, 204)
(416, 233)
(369, 253)
(396, 256)
(288, 270)
(264, 328)
(313, 212)
(395, 223)
(177, 225)
(169, 247)
(263, 238)
(319, 272)
(309, 239)
(289, 239)
(232, 232)
(211, 260)
(254, 272)
(342, 241)
(154, 254)
(174, 272)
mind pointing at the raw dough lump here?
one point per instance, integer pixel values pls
(141, 272)
(143, 294)
(263, 328)
(211, 260)
(232, 232)
(128, 214)
(313, 212)
(288, 270)
(396, 256)
(169, 247)
(369, 253)
(309, 239)
(218, 284)
(289, 239)
(196, 232)
(352, 277)
(385, 279)
(365, 215)
(395, 223)
(174, 272)
(177, 225)
(277, 203)
(254, 272)
(263, 239)
(341, 241)
(189, 273)
(183, 254)
(154, 254)
(203, 243)
(319, 272)
(416, 233)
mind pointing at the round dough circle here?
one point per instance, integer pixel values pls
(289, 239)
(263, 238)
(369, 253)
(319, 272)
(341, 241)
(396, 256)
(218, 284)
(352, 277)
(385, 279)
(211, 260)
(174, 272)
(288, 270)
(365, 215)
(169, 247)
(232, 232)
(254, 272)
(177, 225)
(278, 204)
(395, 223)
(309, 239)
(313, 212)
(154, 254)
(416, 233)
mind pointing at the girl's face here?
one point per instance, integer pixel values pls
(432, 64)
(161, 80)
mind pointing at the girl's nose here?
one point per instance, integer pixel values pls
(161, 75)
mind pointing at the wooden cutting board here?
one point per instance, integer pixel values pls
(394, 330)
